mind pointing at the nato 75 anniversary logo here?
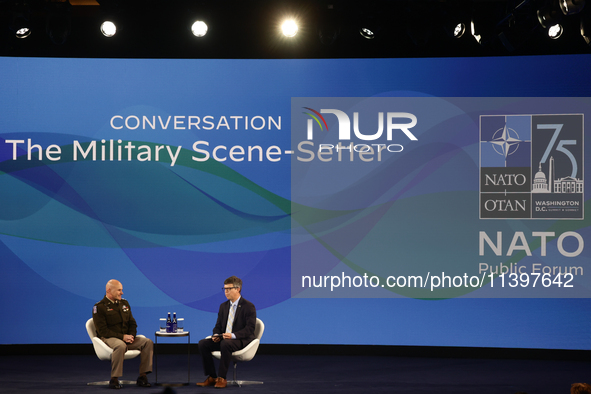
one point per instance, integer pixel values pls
(531, 167)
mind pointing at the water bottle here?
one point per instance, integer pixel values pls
(168, 323)
(174, 322)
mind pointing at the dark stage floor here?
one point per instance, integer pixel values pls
(306, 374)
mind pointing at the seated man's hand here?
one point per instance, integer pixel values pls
(227, 335)
(128, 338)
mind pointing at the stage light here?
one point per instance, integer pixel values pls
(23, 32)
(370, 28)
(454, 23)
(585, 26)
(20, 23)
(369, 23)
(367, 33)
(555, 31)
(476, 34)
(289, 28)
(108, 29)
(570, 7)
(453, 18)
(459, 30)
(199, 29)
(549, 15)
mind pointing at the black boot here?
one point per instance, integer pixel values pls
(114, 383)
(142, 381)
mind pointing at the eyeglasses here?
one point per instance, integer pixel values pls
(229, 288)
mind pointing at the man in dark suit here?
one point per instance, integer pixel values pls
(233, 330)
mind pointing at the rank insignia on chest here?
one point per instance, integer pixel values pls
(124, 308)
(94, 310)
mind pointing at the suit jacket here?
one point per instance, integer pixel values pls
(244, 320)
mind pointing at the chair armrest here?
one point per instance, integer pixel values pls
(248, 352)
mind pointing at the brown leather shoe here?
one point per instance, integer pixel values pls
(220, 383)
(207, 382)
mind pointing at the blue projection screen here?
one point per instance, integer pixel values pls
(441, 202)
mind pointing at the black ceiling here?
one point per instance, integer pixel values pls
(249, 29)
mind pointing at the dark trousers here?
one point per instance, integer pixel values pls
(226, 347)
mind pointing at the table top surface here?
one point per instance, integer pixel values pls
(172, 334)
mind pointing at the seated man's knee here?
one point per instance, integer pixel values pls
(120, 345)
(226, 346)
(149, 343)
(203, 343)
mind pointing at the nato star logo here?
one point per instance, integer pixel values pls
(505, 141)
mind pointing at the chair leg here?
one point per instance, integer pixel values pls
(242, 382)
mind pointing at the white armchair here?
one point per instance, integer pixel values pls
(246, 354)
(104, 352)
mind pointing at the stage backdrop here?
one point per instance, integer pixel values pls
(429, 202)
